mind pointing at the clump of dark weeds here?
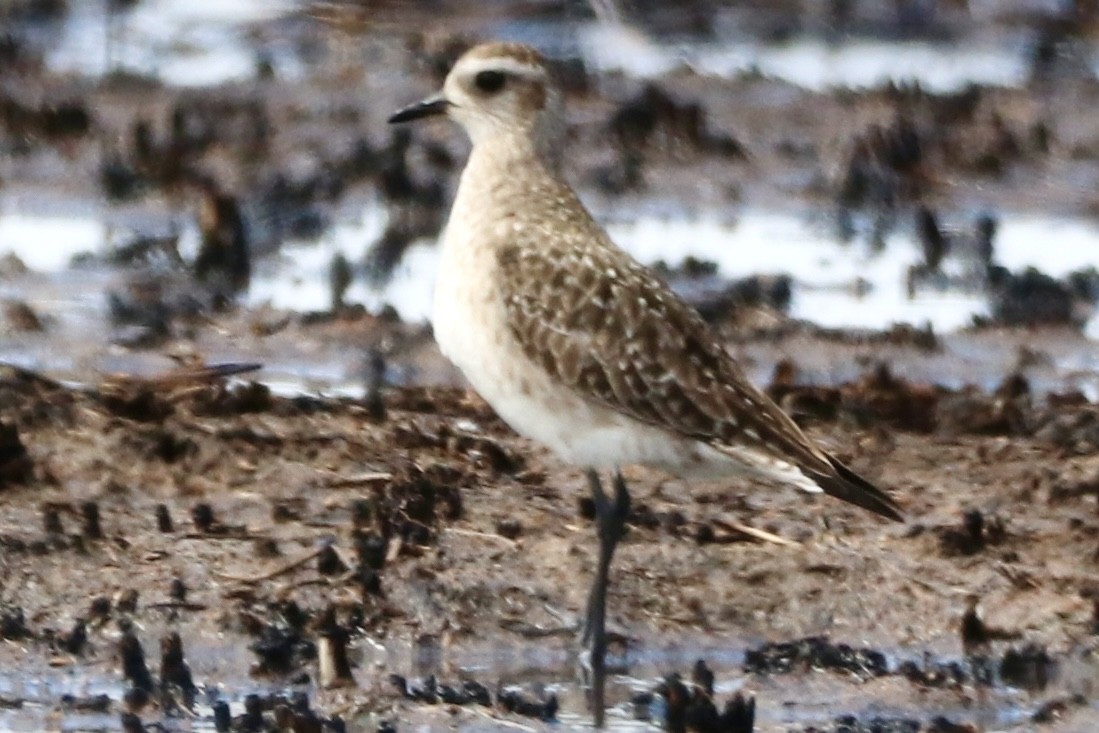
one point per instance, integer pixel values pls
(885, 165)
(140, 403)
(89, 704)
(51, 519)
(126, 601)
(227, 399)
(950, 675)
(13, 624)
(814, 652)
(470, 692)
(134, 668)
(176, 684)
(131, 723)
(374, 398)
(1029, 667)
(692, 706)
(281, 651)
(92, 529)
(16, 466)
(223, 719)
(167, 446)
(409, 509)
(1053, 710)
(164, 519)
(976, 532)
(329, 561)
(431, 691)
(204, 519)
(1032, 298)
(655, 119)
(876, 724)
(276, 712)
(74, 640)
(282, 644)
(514, 701)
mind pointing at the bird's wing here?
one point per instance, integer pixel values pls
(606, 326)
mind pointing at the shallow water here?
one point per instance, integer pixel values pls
(814, 63)
(827, 272)
(834, 285)
(180, 42)
(782, 700)
(205, 42)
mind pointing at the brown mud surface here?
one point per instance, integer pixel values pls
(453, 536)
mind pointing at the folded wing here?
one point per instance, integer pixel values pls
(608, 328)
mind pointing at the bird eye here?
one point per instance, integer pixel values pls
(490, 81)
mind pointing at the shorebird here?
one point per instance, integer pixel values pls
(577, 345)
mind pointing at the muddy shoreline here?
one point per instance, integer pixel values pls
(353, 494)
(454, 539)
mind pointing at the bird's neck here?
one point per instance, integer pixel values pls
(501, 175)
(507, 150)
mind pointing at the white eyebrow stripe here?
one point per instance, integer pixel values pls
(505, 64)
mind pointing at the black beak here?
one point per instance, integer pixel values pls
(429, 107)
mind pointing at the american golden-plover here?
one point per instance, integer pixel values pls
(575, 344)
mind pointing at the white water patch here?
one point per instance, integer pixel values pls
(298, 278)
(411, 289)
(835, 285)
(48, 243)
(939, 68)
(180, 42)
(812, 63)
(1054, 246)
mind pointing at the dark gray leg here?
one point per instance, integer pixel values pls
(610, 521)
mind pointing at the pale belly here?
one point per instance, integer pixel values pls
(470, 324)
(470, 328)
(471, 331)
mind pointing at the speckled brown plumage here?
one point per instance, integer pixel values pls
(572, 341)
(576, 345)
(607, 327)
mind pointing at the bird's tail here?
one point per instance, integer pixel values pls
(846, 485)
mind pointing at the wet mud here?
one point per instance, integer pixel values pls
(270, 543)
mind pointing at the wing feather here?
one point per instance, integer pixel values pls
(637, 348)
(611, 330)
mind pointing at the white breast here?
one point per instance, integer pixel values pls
(471, 328)
(470, 324)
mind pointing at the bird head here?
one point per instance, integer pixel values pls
(498, 92)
